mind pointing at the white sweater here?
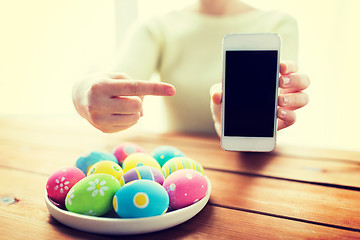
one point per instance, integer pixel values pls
(185, 48)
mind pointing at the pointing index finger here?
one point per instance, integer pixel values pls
(139, 88)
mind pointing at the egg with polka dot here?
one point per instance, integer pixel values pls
(141, 198)
(123, 150)
(178, 163)
(139, 159)
(108, 167)
(164, 153)
(92, 195)
(142, 172)
(185, 187)
(87, 160)
(61, 181)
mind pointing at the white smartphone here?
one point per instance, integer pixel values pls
(250, 92)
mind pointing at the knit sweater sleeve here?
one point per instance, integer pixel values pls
(287, 28)
(140, 51)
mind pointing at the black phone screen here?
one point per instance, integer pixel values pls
(250, 92)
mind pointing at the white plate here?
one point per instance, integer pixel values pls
(121, 226)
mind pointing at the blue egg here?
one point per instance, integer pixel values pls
(141, 198)
(162, 154)
(86, 161)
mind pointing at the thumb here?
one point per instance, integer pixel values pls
(215, 104)
(216, 93)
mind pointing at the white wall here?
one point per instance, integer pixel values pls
(45, 45)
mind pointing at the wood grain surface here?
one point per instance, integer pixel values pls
(291, 193)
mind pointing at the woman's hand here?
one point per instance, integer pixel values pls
(113, 102)
(290, 98)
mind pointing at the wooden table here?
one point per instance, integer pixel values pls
(291, 193)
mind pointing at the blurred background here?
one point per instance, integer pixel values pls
(45, 46)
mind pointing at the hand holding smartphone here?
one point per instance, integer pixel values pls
(250, 91)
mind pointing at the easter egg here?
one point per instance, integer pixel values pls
(92, 195)
(141, 198)
(164, 153)
(108, 167)
(123, 150)
(86, 161)
(177, 163)
(142, 172)
(61, 181)
(139, 159)
(185, 187)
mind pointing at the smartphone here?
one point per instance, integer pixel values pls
(250, 92)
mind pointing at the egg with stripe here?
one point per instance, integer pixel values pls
(142, 172)
(141, 198)
(178, 163)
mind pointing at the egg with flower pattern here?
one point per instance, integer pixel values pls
(185, 187)
(164, 153)
(92, 195)
(61, 181)
(141, 198)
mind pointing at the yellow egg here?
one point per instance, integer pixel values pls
(139, 159)
(108, 167)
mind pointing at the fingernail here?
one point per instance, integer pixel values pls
(286, 80)
(170, 90)
(282, 113)
(285, 100)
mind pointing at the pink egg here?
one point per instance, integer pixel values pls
(185, 187)
(61, 181)
(125, 149)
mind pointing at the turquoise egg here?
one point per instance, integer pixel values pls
(87, 160)
(141, 198)
(164, 153)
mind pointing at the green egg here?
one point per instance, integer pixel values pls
(92, 195)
